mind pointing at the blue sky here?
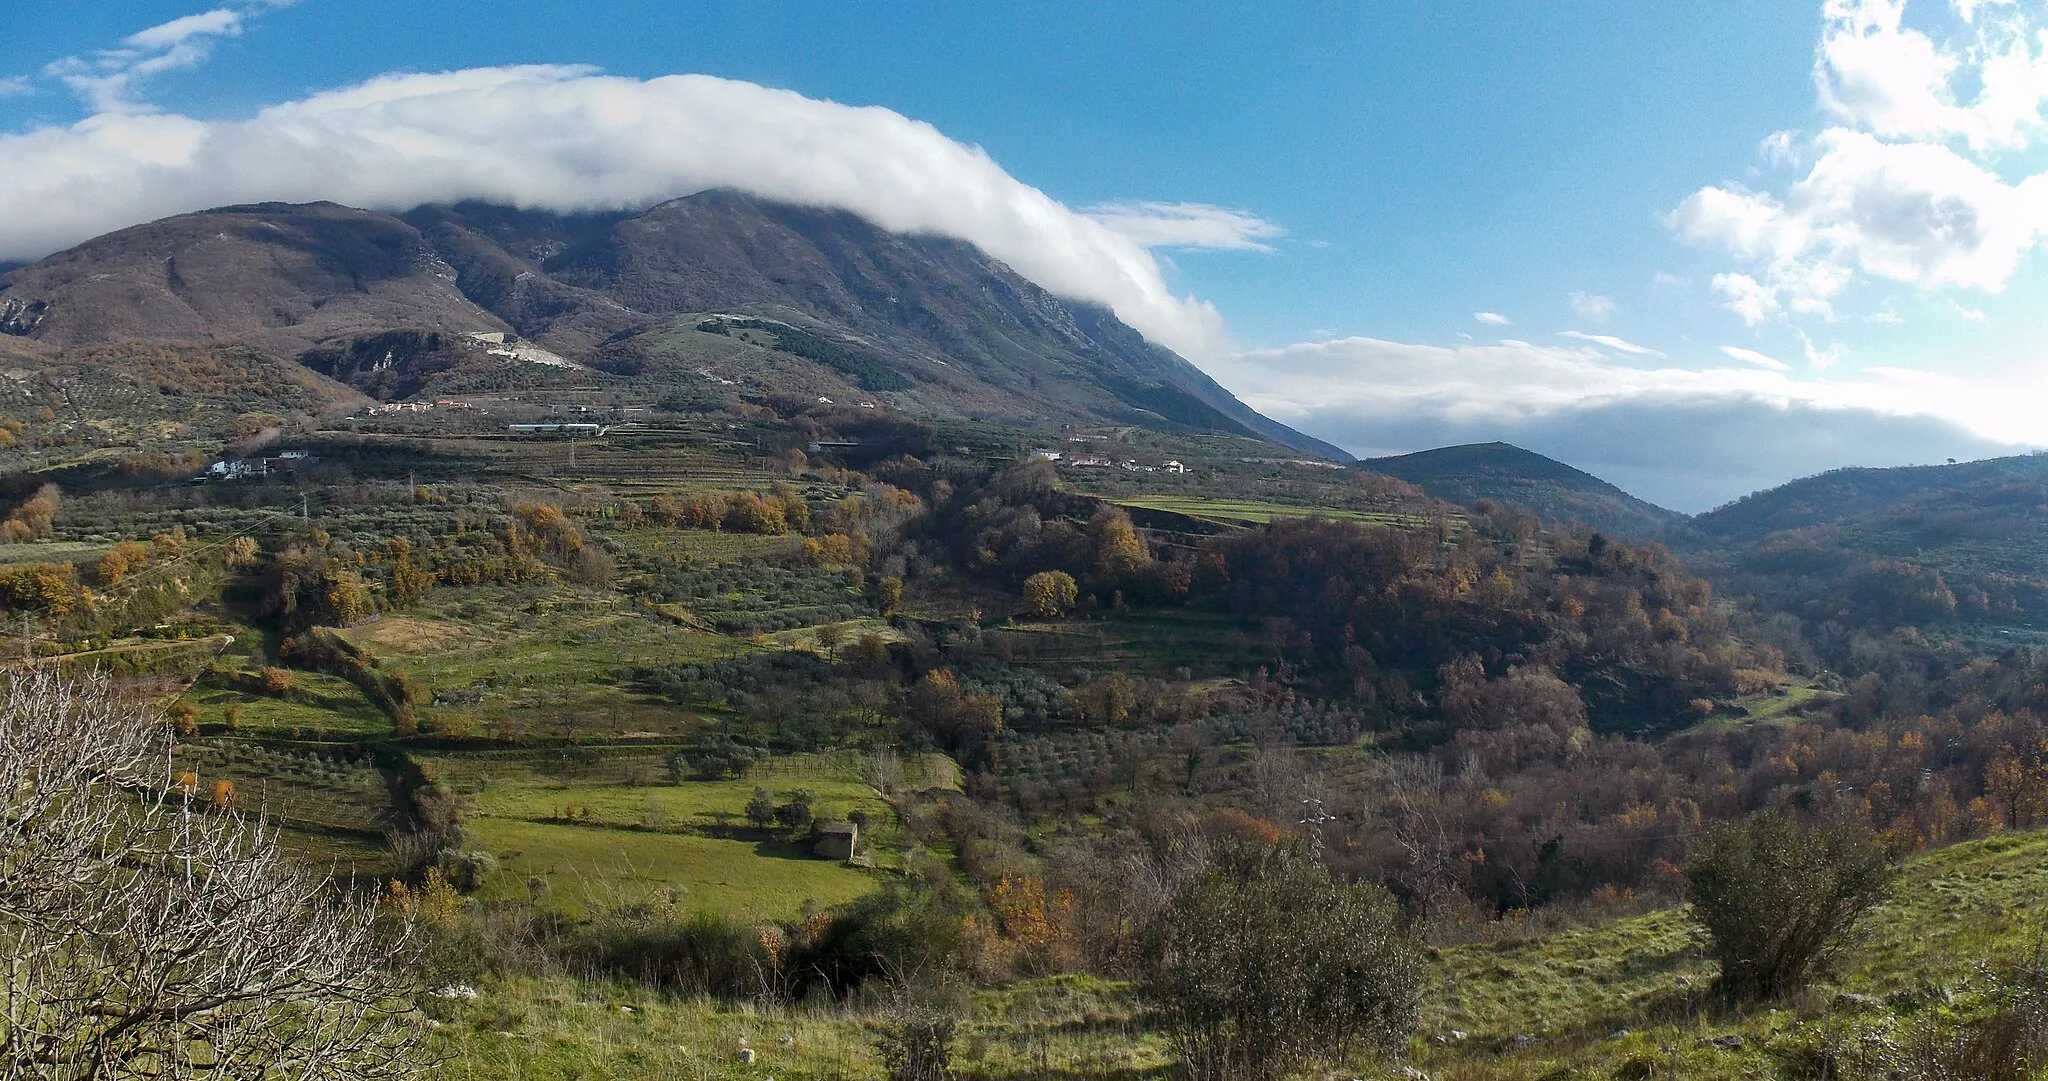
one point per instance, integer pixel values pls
(1594, 175)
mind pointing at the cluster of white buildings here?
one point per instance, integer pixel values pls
(382, 409)
(238, 468)
(1097, 461)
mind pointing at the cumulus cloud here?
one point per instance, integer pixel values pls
(1492, 319)
(1193, 226)
(569, 138)
(1592, 306)
(1914, 183)
(1373, 396)
(1609, 341)
(15, 85)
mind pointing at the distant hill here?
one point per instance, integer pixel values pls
(1873, 549)
(801, 299)
(1507, 474)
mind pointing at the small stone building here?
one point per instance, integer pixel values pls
(836, 841)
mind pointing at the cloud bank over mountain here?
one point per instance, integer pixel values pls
(569, 138)
(1688, 439)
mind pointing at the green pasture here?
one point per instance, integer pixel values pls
(1952, 912)
(318, 705)
(1257, 512)
(51, 551)
(1061, 1027)
(745, 877)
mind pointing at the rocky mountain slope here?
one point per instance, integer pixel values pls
(934, 325)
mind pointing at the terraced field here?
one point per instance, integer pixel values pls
(1255, 512)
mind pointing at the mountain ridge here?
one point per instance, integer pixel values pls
(1505, 473)
(973, 338)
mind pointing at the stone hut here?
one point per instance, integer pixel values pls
(836, 841)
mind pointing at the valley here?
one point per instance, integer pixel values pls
(716, 627)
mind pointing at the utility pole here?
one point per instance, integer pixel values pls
(305, 512)
(28, 638)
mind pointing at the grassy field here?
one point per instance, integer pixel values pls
(51, 552)
(622, 826)
(1953, 911)
(745, 878)
(1254, 512)
(1062, 1027)
(1622, 998)
(504, 663)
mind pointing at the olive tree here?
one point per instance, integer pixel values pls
(1265, 964)
(1776, 900)
(143, 935)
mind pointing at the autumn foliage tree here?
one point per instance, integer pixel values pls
(1048, 594)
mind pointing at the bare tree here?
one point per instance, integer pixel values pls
(143, 935)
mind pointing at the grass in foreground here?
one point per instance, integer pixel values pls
(1627, 998)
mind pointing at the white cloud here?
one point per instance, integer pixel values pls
(1592, 306)
(1818, 358)
(570, 139)
(1780, 148)
(1916, 182)
(1610, 342)
(1751, 356)
(179, 31)
(109, 81)
(1974, 315)
(15, 85)
(1492, 319)
(1375, 396)
(1187, 225)
(1376, 378)
(1877, 75)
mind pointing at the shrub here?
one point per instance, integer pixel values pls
(1776, 901)
(700, 952)
(915, 1037)
(1049, 593)
(799, 811)
(467, 868)
(905, 930)
(1265, 964)
(761, 809)
(276, 682)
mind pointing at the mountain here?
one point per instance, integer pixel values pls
(1954, 546)
(801, 299)
(1504, 473)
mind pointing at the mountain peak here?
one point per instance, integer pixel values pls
(958, 333)
(1505, 473)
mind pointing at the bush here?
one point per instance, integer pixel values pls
(701, 952)
(905, 930)
(1266, 964)
(915, 1037)
(1776, 901)
(467, 868)
(275, 682)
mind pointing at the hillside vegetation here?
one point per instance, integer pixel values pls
(881, 662)
(1501, 473)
